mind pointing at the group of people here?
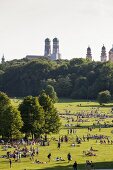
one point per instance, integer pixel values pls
(89, 165)
(34, 151)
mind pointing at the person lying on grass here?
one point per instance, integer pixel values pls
(88, 153)
(39, 162)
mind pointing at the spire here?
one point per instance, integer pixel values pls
(89, 55)
(103, 54)
(3, 59)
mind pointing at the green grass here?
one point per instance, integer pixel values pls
(76, 106)
(104, 158)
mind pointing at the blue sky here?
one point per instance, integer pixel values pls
(77, 23)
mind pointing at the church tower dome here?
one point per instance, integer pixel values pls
(55, 40)
(47, 40)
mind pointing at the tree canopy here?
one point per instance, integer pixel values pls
(10, 118)
(77, 78)
(51, 92)
(32, 115)
(104, 97)
(52, 120)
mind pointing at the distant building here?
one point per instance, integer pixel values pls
(103, 56)
(32, 57)
(55, 55)
(89, 55)
(3, 59)
(47, 51)
(111, 54)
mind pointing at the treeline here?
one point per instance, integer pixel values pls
(76, 78)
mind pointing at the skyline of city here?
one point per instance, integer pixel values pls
(51, 48)
(76, 23)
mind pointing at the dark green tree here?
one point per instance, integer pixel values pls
(104, 97)
(69, 78)
(32, 115)
(11, 123)
(51, 92)
(10, 118)
(52, 120)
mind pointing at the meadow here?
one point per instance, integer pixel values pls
(68, 109)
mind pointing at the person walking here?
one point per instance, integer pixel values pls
(75, 165)
(58, 145)
(69, 157)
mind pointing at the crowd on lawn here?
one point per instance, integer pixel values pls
(23, 149)
(30, 148)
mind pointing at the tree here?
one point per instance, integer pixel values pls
(10, 118)
(51, 92)
(11, 123)
(52, 120)
(32, 115)
(104, 97)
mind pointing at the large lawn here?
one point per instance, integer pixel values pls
(104, 155)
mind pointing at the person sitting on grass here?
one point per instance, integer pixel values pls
(91, 149)
(73, 144)
(59, 159)
(88, 165)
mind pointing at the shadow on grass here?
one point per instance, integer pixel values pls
(67, 100)
(97, 165)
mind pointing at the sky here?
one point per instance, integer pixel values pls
(25, 24)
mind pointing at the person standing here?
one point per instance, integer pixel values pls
(75, 165)
(59, 145)
(10, 162)
(49, 156)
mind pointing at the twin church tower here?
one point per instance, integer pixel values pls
(103, 56)
(55, 53)
(52, 55)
